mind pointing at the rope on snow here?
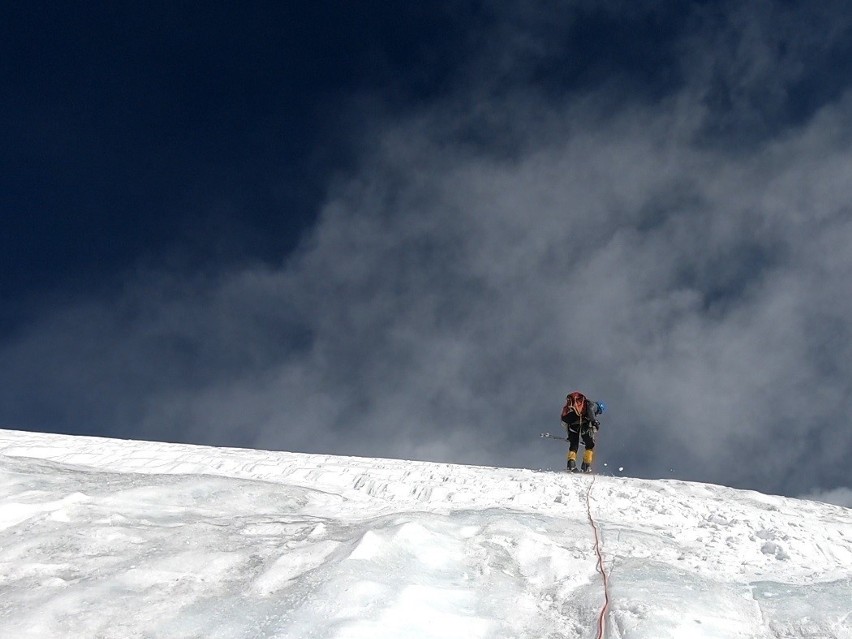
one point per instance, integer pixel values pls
(600, 566)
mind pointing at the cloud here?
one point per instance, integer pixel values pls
(838, 496)
(454, 289)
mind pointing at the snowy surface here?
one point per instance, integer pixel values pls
(118, 539)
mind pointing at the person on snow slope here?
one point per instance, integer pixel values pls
(579, 419)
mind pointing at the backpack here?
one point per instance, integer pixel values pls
(575, 407)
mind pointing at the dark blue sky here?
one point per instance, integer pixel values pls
(208, 135)
(364, 228)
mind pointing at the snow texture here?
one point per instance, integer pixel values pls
(118, 540)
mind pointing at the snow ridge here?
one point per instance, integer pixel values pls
(108, 538)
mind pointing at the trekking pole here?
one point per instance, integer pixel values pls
(550, 436)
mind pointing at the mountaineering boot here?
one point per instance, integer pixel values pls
(572, 461)
(588, 456)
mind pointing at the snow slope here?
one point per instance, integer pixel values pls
(119, 539)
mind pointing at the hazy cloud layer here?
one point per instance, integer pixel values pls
(687, 258)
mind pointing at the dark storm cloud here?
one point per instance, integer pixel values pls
(682, 252)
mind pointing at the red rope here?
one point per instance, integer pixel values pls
(600, 567)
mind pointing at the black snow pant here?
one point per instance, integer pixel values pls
(575, 432)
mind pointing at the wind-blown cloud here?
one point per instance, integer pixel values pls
(838, 496)
(454, 289)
